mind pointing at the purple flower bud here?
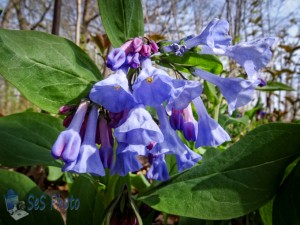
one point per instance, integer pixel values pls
(146, 51)
(262, 82)
(127, 46)
(137, 44)
(66, 109)
(154, 46)
(116, 58)
(133, 60)
(190, 125)
(106, 149)
(68, 120)
(176, 119)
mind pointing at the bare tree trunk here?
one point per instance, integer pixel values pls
(78, 22)
(7, 15)
(22, 21)
(56, 17)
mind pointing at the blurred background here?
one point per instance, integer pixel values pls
(79, 20)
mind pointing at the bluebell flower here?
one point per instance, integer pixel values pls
(215, 36)
(113, 93)
(126, 160)
(116, 58)
(237, 92)
(182, 93)
(187, 160)
(152, 87)
(106, 149)
(68, 142)
(252, 56)
(158, 169)
(210, 133)
(88, 160)
(139, 128)
(172, 143)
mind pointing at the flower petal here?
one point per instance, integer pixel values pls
(139, 128)
(210, 133)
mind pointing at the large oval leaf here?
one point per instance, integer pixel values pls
(236, 182)
(122, 19)
(92, 207)
(26, 139)
(41, 211)
(50, 71)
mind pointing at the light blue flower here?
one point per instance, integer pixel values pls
(116, 58)
(113, 93)
(88, 160)
(210, 133)
(158, 169)
(187, 160)
(68, 142)
(252, 56)
(126, 160)
(237, 92)
(172, 143)
(182, 93)
(215, 36)
(152, 87)
(139, 128)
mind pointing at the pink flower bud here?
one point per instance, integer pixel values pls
(146, 50)
(153, 46)
(137, 44)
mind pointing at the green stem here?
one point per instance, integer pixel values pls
(217, 107)
(165, 215)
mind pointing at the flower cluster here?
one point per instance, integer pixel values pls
(117, 107)
(130, 53)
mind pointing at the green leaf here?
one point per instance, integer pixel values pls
(275, 86)
(91, 210)
(26, 139)
(208, 63)
(238, 181)
(286, 205)
(48, 70)
(26, 189)
(54, 173)
(265, 213)
(122, 19)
